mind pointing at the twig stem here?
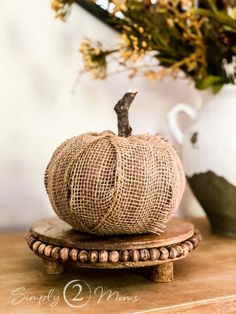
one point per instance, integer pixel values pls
(122, 111)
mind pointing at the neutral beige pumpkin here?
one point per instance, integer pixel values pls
(104, 184)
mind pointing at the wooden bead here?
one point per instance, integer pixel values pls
(48, 250)
(55, 252)
(190, 245)
(28, 235)
(41, 248)
(83, 256)
(73, 254)
(173, 253)
(199, 236)
(194, 241)
(164, 253)
(154, 254)
(64, 254)
(144, 255)
(185, 248)
(124, 255)
(36, 245)
(196, 235)
(31, 241)
(93, 256)
(134, 255)
(29, 238)
(113, 256)
(179, 249)
(103, 256)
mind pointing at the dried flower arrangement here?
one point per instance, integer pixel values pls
(165, 37)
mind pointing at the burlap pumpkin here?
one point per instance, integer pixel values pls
(105, 184)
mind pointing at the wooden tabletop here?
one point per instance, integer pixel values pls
(205, 282)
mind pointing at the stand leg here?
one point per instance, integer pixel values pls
(53, 268)
(162, 273)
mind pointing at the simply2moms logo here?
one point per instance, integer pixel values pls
(76, 293)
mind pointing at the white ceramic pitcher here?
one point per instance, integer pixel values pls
(209, 155)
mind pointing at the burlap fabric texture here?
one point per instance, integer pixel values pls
(105, 184)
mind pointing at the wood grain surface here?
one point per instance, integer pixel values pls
(205, 282)
(57, 232)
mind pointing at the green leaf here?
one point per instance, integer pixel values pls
(216, 82)
(212, 5)
(216, 88)
(234, 49)
(219, 17)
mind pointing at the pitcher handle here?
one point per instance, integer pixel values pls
(172, 119)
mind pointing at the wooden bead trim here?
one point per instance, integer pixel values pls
(64, 254)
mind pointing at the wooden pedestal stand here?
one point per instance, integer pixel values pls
(58, 244)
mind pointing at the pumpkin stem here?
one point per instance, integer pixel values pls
(122, 111)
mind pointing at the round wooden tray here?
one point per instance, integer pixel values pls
(59, 244)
